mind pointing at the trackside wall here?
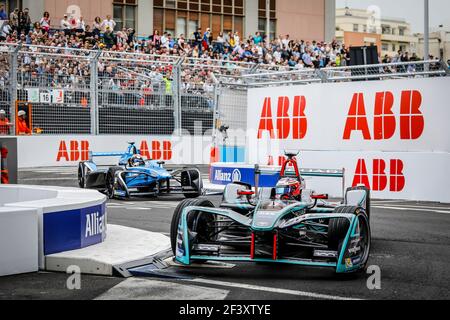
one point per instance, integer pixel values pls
(392, 136)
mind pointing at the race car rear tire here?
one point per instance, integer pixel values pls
(109, 181)
(81, 175)
(191, 219)
(193, 179)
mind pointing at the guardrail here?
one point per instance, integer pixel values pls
(76, 91)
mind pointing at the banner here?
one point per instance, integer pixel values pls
(392, 136)
(395, 115)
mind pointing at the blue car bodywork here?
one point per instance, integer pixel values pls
(148, 179)
(254, 226)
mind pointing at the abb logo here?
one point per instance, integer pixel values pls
(160, 150)
(380, 178)
(298, 125)
(77, 151)
(385, 124)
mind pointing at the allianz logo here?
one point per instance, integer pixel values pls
(95, 224)
(236, 176)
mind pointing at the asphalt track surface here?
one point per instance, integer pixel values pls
(411, 246)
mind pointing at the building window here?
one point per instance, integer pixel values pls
(186, 16)
(262, 21)
(385, 47)
(125, 13)
(355, 28)
(10, 5)
(401, 31)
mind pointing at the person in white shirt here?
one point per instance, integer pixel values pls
(165, 41)
(45, 22)
(65, 23)
(81, 24)
(237, 39)
(108, 22)
(285, 42)
(5, 30)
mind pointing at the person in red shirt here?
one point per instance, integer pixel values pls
(22, 126)
(4, 123)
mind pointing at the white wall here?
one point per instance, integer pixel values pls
(18, 241)
(425, 158)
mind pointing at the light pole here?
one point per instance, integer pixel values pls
(426, 34)
(268, 21)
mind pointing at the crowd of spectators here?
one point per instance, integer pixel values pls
(228, 52)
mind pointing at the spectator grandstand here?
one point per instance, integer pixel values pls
(146, 80)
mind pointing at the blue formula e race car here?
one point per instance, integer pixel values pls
(134, 176)
(286, 224)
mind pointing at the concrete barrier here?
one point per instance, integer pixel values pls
(63, 219)
(18, 241)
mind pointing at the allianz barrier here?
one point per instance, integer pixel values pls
(60, 220)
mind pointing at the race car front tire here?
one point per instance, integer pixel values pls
(196, 221)
(193, 179)
(339, 227)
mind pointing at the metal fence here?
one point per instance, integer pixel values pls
(74, 91)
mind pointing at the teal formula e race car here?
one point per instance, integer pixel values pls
(286, 224)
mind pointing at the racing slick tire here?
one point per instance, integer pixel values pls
(338, 229)
(193, 179)
(109, 181)
(196, 221)
(82, 175)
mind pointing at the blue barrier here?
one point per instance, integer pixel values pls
(74, 229)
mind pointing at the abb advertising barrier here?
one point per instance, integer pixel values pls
(392, 136)
(54, 151)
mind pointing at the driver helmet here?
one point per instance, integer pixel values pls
(136, 161)
(289, 188)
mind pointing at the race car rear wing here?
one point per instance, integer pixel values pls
(93, 155)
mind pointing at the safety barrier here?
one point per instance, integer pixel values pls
(39, 221)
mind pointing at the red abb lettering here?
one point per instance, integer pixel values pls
(84, 150)
(74, 151)
(62, 153)
(361, 175)
(299, 120)
(379, 175)
(156, 150)
(77, 151)
(379, 179)
(357, 120)
(397, 182)
(412, 122)
(384, 121)
(266, 123)
(283, 121)
(167, 150)
(144, 150)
